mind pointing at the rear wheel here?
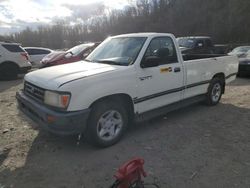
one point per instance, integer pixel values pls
(215, 91)
(8, 71)
(107, 123)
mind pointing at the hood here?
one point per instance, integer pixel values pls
(54, 77)
(54, 56)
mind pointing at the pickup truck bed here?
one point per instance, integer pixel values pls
(188, 57)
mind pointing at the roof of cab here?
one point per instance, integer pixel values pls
(149, 34)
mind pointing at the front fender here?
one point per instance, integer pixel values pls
(86, 91)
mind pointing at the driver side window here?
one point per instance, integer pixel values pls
(164, 48)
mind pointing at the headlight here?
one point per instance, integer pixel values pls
(60, 100)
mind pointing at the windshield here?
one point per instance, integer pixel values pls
(118, 51)
(248, 53)
(241, 49)
(187, 43)
(78, 49)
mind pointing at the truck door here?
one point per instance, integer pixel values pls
(160, 79)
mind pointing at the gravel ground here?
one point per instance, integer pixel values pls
(198, 146)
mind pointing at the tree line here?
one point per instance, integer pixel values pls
(227, 21)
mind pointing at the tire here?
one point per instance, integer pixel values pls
(8, 71)
(215, 91)
(107, 123)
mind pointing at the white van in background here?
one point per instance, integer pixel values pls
(13, 60)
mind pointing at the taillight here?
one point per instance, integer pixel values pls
(25, 55)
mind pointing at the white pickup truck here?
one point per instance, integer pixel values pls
(127, 78)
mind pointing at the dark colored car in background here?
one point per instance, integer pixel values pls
(74, 54)
(198, 45)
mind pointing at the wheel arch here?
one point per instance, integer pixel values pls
(123, 98)
(8, 63)
(222, 77)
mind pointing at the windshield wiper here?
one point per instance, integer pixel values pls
(109, 62)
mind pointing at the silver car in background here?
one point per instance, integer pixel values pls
(244, 65)
(240, 52)
(36, 54)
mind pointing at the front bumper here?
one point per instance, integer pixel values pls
(61, 123)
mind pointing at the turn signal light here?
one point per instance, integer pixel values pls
(65, 100)
(51, 119)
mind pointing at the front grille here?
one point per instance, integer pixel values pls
(33, 91)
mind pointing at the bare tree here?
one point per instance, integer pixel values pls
(226, 21)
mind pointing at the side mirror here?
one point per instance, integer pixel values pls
(151, 61)
(84, 55)
(68, 55)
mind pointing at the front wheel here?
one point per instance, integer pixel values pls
(215, 91)
(107, 123)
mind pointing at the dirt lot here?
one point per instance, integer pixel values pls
(198, 146)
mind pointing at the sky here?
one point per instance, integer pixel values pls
(16, 15)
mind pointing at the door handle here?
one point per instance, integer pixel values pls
(166, 70)
(177, 69)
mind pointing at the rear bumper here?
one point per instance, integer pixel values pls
(61, 123)
(24, 69)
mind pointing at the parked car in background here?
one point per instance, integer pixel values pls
(13, 60)
(37, 54)
(74, 54)
(244, 65)
(195, 45)
(222, 49)
(240, 52)
(198, 45)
